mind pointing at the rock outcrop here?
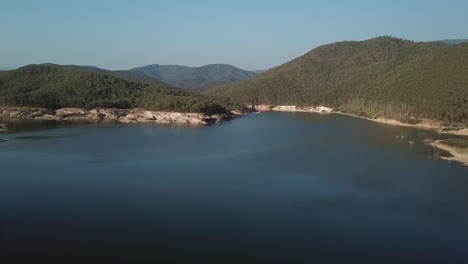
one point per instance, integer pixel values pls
(237, 112)
(263, 108)
(258, 108)
(22, 112)
(288, 108)
(114, 115)
(293, 108)
(3, 127)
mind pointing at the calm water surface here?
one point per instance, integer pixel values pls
(269, 188)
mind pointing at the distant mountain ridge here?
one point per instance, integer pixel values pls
(188, 78)
(195, 78)
(453, 41)
(123, 74)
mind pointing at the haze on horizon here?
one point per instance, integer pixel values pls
(119, 34)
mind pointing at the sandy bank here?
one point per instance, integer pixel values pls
(422, 124)
(461, 132)
(113, 115)
(458, 154)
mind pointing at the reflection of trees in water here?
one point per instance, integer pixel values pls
(436, 154)
(20, 125)
(343, 129)
(385, 135)
(371, 133)
(310, 118)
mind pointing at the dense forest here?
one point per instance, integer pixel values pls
(122, 74)
(53, 86)
(188, 78)
(384, 76)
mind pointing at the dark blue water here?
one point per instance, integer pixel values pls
(269, 188)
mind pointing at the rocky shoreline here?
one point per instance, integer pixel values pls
(113, 115)
(422, 124)
(289, 108)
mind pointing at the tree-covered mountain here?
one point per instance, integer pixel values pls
(195, 78)
(52, 86)
(123, 74)
(383, 76)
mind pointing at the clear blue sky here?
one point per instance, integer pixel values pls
(119, 34)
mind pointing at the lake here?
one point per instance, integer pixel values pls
(268, 188)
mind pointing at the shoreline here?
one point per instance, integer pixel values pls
(136, 115)
(139, 115)
(458, 154)
(427, 124)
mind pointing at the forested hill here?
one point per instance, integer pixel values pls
(195, 78)
(123, 74)
(53, 86)
(383, 76)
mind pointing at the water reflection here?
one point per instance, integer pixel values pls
(28, 125)
(33, 137)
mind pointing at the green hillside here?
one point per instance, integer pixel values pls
(53, 87)
(384, 76)
(195, 78)
(123, 74)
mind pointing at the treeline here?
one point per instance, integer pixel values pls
(53, 87)
(152, 100)
(380, 77)
(122, 74)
